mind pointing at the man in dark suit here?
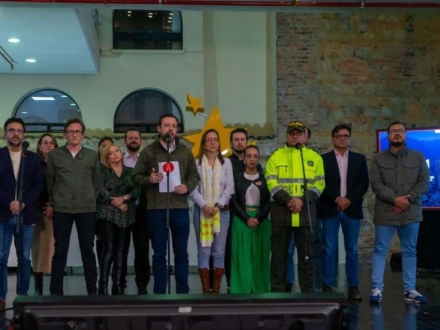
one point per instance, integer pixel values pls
(346, 182)
(17, 165)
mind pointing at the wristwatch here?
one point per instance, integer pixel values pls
(125, 197)
(220, 206)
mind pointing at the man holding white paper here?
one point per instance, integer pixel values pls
(151, 171)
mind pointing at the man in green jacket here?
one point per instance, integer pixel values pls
(149, 172)
(73, 185)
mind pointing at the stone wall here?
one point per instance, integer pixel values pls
(366, 69)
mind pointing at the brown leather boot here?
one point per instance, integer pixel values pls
(218, 274)
(204, 277)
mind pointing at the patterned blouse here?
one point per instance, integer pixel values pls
(114, 186)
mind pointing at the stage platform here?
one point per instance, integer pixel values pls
(392, 314)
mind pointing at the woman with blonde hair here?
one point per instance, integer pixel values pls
(115, 212)
(211, 210)
(43, 245)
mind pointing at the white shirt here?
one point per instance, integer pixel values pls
(129, 161)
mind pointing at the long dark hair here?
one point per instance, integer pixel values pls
(202, 146)
(39, 153)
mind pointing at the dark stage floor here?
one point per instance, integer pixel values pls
(392, 314)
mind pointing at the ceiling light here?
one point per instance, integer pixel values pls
(63, 95)
(129, 11)
(43, 98)
(171, 14)
(30, 60)
(24, 112)
(14, 40)
(73, 104)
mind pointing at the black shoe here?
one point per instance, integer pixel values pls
(353, 293)
(326, 288)
(103, 290)
(142, 291)
(38, 277)
(288, 288)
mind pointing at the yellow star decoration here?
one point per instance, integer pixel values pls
(214, 121)
(194, 104)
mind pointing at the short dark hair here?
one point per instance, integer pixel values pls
(395, 123)
(238, 130)
(167, 115)
(132, 130)
(74, 121)
(337, 128)
(14, 120)
(104, 138)
(251, 147)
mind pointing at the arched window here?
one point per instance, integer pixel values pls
(46, 110)
(147, 29)
(142, 109)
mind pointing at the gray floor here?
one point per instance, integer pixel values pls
(392, 314)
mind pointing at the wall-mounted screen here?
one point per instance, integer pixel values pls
(427, 141)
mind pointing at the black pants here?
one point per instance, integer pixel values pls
(62, 228)
(141, 245)
(114, 242)
(281, 237)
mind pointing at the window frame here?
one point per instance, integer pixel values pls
(59, 127)
(147, 128)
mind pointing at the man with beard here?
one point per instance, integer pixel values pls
(139, 230)
(147, 174)
(14, 173)
(399, 177)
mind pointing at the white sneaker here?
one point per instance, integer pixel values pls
(376, 296)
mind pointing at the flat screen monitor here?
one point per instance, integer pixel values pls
(427, 141)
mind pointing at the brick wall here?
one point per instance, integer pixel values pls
(366, 69)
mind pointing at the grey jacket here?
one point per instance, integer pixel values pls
(394, 175)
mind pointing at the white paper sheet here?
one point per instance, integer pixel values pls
(174, 177)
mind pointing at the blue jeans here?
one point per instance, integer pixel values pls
(408, 242)
(217, 249)
(23, 245)
(290, 272)
(179, 226)
(330, 229)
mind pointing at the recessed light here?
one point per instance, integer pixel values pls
(43, 98)
(63, 95)
(73, 104)
(129, 11)
(14, 40)
(31, 60)
(24, 112)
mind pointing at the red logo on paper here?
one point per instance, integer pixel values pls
(168, 167)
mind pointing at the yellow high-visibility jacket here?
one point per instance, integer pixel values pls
(284, 176)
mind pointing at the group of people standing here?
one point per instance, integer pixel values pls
(247, 222)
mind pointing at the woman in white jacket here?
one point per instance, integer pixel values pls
(211, 210)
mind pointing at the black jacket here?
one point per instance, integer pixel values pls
(357, 185)
(238, 201)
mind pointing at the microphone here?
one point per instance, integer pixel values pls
(168, 138)
(24, 145)
(299, 146)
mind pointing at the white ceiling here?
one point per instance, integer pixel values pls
(61, 40)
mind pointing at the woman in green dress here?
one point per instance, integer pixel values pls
(251, 229)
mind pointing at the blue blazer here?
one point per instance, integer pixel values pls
(357, 185)
(32, 185)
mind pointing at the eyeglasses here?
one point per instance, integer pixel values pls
(212, 140)
(341, 136)
(73, 132)
(396, 131)
(14, 131)
(46, 143)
